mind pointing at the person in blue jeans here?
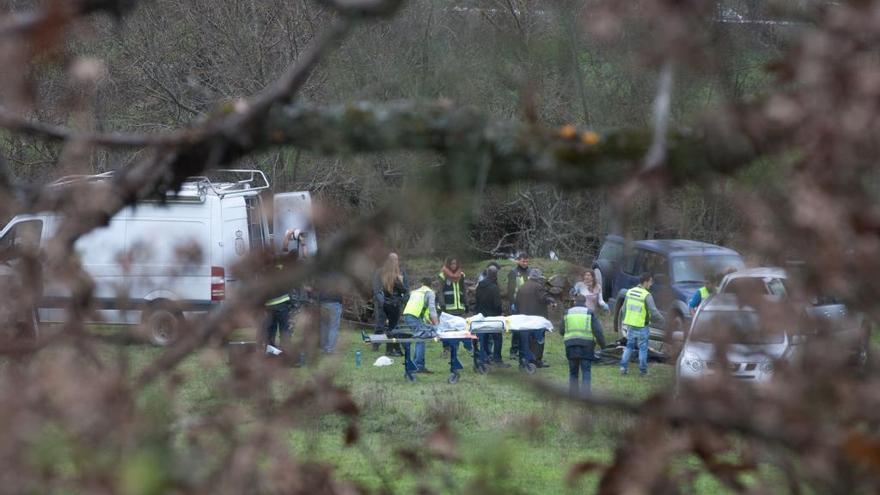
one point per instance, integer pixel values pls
(639, 312)
(330, 299)
(581, 330)
(419, 315)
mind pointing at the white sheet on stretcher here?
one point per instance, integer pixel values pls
(450, 323)
(512, 322)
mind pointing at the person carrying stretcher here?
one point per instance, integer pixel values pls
(420, 316)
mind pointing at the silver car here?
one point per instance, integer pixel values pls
(754, 346)
(822, 314)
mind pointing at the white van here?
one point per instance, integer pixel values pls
(157, 263)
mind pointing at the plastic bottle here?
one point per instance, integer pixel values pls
(357, 359)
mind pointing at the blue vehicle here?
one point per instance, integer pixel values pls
(680, 268)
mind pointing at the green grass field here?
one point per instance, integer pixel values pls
(509, 438)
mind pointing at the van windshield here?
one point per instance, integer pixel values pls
(697, 268)
(737, 327)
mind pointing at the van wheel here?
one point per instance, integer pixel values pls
(162, 324)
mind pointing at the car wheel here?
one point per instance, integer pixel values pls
(162, 324)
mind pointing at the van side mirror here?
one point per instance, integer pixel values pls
(798, 339)
(661, 279)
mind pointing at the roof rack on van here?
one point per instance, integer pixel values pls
(238, 181)
(220, 182)
(73, 179)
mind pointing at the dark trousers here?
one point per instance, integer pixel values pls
(278, 320)
(536, 345)
(392, 315)
(525, 351)
(497, 343)
(514, 344)
(580, 362)
(482, 347)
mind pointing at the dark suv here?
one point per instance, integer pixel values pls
(679, 266)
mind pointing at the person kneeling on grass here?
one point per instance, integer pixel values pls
(581, 329)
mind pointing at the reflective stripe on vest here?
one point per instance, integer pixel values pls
(578, 326)
(417, 305)
(704, 294)
(456, 303)
(636, 310)
(278, 300)
(520, 280)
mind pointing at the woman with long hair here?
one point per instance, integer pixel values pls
(393, 292)
(590, 288)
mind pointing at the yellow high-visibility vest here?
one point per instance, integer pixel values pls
(457, 304)
(417, 305)
(578, 326)
(636, 308)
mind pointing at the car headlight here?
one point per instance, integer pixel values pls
(767, 367)
(694, 363)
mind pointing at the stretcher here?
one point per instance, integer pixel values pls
(401, 336)
(458, 330)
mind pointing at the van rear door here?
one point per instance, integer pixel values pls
(235, 236)
(293, 210)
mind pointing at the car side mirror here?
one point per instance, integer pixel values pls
(661, 279)
(678, 336)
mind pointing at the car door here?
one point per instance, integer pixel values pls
(828, 315)
(661, 290)
(628, 275)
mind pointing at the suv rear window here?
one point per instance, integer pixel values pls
(611, 251)
(697, 268)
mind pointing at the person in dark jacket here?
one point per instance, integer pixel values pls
(281, 307)
(390, 288)
(533, 299)
(581, 330)
(452, 294)
(482, 277)
(516, 278)
(488, 303)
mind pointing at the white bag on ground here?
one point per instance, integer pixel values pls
(383, 361)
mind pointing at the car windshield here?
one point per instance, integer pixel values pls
(696, 268)
(742, 327)
(771, 286)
